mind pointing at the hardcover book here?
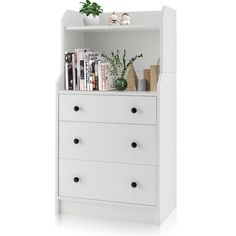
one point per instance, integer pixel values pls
(74, 71)
(100, 76)
(80, 67)
(68, 71)
(81, 71)
(96, 76)
(92, 58)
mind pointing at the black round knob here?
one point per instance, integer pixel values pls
(76, 141)
(133, 110)
(76, 179)
(133, 184)
(76, 108)
(133, 145)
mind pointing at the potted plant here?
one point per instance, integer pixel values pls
(119, 67)
(91, 11)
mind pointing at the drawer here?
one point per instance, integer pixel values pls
(109, 182)
(108, 142)
(112, 109)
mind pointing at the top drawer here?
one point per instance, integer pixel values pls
(112, 109)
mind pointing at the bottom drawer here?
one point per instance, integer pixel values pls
(107, 181)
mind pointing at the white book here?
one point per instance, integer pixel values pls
(92, 58)
(89, 71)
(80, 67)
(103, 72)
(86, 75)
(99, 76)
(80, 71)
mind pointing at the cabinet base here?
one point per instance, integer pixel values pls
(118, 211)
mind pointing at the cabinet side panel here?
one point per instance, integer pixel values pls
(167, 144)
(168, 40)
(56, 154)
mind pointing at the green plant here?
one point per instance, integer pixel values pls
(119, 66)
(90, 8)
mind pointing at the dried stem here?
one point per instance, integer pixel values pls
(119, 68)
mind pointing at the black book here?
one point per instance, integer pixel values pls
(68, 71)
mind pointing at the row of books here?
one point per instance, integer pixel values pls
(86, 70)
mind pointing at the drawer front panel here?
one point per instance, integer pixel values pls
(112, 109)
(108, 142)
(108, 182)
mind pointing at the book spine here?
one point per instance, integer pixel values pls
(103, 69)
(90, 72)
(80, 67)
(99, 76)
(81, 71)
(74, 74)
(93, 76)
(85, 82)
(96, 75)
(109, 82)
(77, 68)
(86, 72)
(70, 72)
(66, 75)
(93, 57)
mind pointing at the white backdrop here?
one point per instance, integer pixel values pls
(30, 65)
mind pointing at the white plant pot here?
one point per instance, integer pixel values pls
(91, 20)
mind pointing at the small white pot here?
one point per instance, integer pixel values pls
(91, 20)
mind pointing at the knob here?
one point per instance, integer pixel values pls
(133, 110)
(133, 145)
(76, 141)
(76, 108)
(133, 184)
(76, 179)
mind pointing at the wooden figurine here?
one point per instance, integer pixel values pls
(131, 79)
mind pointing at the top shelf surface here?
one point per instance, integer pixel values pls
(113, 28)
(140, 21)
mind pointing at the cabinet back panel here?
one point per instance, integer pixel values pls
(135, 43)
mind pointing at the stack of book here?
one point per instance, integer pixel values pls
(86, 70)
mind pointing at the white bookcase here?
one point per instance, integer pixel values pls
(116, 151)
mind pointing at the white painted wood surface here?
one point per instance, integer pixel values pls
(168, 41)
(108, 142)
(133, 41)
(110, 210)
(106, 109)
(73, 19)
(153, 34)
(167, 144)
(109, 93)
(115, 28)
(108, 181)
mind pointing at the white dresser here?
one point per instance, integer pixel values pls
(116, 151)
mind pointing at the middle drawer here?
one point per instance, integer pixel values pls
(108, 142)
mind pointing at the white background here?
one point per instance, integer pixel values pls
(30, 65)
